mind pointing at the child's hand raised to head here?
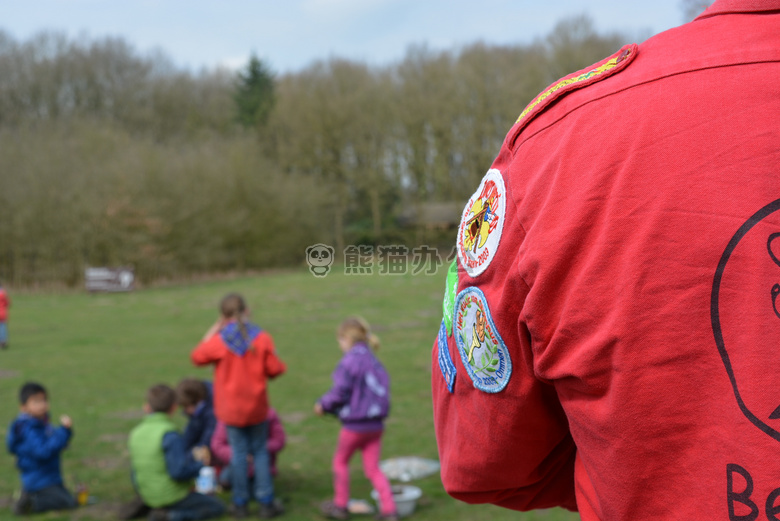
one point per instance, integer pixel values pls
(215, 328)
(66, 422)
(318, 410)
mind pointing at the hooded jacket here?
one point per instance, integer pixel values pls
(37, 446)
(360, 395)
(242, 365)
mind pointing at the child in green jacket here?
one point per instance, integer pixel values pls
(163, 469)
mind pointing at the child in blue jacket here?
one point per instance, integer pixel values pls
(194, 397)
(37, 446)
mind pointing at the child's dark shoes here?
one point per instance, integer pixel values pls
(23, 505)
(238, 511)
(134, 509)
(268, 511)
(331, 511)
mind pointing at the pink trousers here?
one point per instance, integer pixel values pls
(370, 444)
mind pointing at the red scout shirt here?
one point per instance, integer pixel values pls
(615, 336)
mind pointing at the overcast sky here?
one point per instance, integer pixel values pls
(291, 34)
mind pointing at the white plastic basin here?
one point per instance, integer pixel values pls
(405, 497)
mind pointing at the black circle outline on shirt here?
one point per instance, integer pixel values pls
(715, 313)
(776, 288)
(769, 242)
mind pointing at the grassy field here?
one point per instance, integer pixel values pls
(97, 354)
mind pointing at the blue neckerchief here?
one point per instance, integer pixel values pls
(235, 341)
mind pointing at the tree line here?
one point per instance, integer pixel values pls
(113, 158)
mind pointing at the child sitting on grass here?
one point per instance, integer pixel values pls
(221, 453)
(194, 398)
(163, 470)
(37, 447)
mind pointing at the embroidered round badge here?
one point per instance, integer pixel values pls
(483, 220)
(483, 352)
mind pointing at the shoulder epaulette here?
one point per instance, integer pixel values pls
(597, 72)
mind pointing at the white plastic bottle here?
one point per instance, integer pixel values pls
(207, 481)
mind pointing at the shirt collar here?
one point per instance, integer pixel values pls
(740, 6)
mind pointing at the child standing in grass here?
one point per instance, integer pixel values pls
(5, 303)
(360, 397)
(244, 358)
(37, 446)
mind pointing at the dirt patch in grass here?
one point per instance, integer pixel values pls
(113, 438)
(8, 373)
(294, 417)
(132, 414)
(293, 440)
(103, 463)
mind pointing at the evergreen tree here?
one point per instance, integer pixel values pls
(254, 96)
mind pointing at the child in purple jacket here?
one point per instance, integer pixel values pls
(360, 397)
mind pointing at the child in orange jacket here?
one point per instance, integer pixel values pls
(244, 358)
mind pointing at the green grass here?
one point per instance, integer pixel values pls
(97, 354)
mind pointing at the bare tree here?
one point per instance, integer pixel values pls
(693, 8)
(111, 157)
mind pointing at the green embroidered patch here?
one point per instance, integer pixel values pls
(450, 292)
